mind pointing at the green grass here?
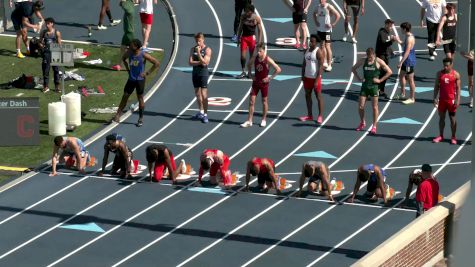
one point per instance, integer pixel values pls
(111, 81)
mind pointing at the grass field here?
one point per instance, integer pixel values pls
(111, 81)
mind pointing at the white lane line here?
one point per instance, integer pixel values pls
(232, 80)
(168, 143)
(389, 210)
(218, 60)
(238, 110)
(388, 168)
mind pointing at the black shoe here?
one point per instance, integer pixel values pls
(139, 123)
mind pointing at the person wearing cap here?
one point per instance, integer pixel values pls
(318, 173)
(264, 169)
(123, 156)
(383, 49)
(375, 177)
(213, 160)
(427, 194)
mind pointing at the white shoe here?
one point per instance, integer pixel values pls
(435, 53)
(345, 37)
(115, 22)
(354, 40)
(329, 68)
(246, 124)
(101, 27)
(325, 65)
(432, 58)
(263, 123)
(471, 103)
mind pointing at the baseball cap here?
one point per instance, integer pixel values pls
(426, 168)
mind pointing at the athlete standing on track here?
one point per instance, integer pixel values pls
(264, 169)
(448, 84)
(105, 9)
(160, 157)
(355, 6)
(432, 10)
(137, 75)
(247, 35)
(200, 56)
(469, 57)
(312, 68)
(146, 17)
(318, 173)
(448, 29)
(376, 187)
(299, 18)
(407, 64)
(239, 6)
(213, 160)
(383, 49)
(369, 87)
(260, 82)
(322, 16)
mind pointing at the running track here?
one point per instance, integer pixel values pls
(145, 224)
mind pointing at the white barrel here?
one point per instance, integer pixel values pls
(73, 108)
(57, 118)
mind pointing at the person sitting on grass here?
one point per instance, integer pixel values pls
(69, 150)
(123, 156)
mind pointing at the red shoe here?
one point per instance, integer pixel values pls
(373, 130)
(361, 126)
(116, 67)
(453, 141)
(297, 46)
(438, 139)
(320, 119)
(304, 46)
(306, 118)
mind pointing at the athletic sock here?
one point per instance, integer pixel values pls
(140, 113)
(18, 50)
(202, 111)
(108, 12)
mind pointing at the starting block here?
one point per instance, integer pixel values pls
(336, 186)
(390, 192)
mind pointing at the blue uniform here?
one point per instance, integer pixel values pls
(373, 178)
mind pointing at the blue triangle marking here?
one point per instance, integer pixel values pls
(333, 81)
(279, 20)
(464, 93)
(208, 190)
(421, 89)
(316, 154)
(402, 120)
(231, 44)
(286, 77)
(184, 69)
(90, 227)
(229, 72)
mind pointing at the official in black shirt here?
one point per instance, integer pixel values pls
(384, 50)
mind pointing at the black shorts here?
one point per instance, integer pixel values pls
(299, 17)
(132, 85)
(407, 69)
(261, 179)
(200, 81)
(449, 48)
(325, 36)
(470, 67)
(318, 180)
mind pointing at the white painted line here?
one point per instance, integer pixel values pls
(389, 210)
(19, 94)
(238, 110)
(353, 204)
(232, 80)
(283, 49)
(388, 168)
(165, 143)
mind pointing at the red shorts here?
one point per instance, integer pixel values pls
(215, 167)
(146, 18)
(160, 168)
(447, 105)
(248, 42)
(470, 68)
(309, 83)
(263, 87)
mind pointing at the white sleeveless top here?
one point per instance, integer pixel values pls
(146, 6)
(324, 18)
(311, 63)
